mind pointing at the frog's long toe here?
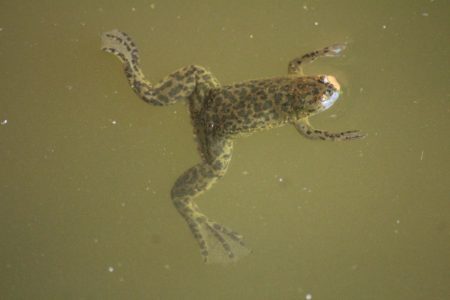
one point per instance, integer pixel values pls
(221, 244)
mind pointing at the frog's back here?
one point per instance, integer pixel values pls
(254, 105)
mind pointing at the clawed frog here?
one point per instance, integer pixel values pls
(221, 113)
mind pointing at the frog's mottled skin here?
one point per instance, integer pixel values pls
(221, 113)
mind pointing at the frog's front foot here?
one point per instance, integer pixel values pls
(334, 50)
(310, 132)
(295, 65)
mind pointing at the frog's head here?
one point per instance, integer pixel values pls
(331, 92)
(318, 94)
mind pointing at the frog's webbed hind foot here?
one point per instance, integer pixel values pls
(295, 65)
(120, 44)
(218, 244)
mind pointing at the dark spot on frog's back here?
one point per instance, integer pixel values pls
(278, 98)
(162, 98)
(217, 165)
(175, 90)
(218, 100)
(165, 85)
(267, 104)
(243, 94)
(242, 113)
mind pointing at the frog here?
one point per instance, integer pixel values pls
(219, 114)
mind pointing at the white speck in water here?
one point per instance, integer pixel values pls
(251, 36)
(4, 122)
(114, 122)
(384, 26)
(1, 29)
(123, 204)
(152, 6)
(316, 23)
(360, 153)
(398, 221)
(133, 9)
(421, 155)
(178, 17)
(425, 14)
(167, 267)
(308, 297)
(305, 7)
(245, 173)
(280, 179)
(110, 269)
(69, 87)
(96, 240)
(361, 90)
(333, 116)
(83, 24)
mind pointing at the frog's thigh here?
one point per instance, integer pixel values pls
(310, 132)
(180, 85)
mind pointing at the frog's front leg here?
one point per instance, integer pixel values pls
(177, 86)
(295, 65)
(218, 244)
(310, 132)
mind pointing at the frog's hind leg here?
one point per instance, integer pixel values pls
(295, 65)
(218, 244)
(177, 86)
(310, 132)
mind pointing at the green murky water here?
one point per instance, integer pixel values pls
(87, 167)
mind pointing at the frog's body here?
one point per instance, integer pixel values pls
(219, 114)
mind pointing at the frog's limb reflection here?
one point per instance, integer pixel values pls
(295, 65)
(218, 244)
(175, 87)
(310, 132)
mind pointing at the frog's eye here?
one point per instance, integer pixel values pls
(323, 79)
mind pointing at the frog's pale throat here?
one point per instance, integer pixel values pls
(328, 101)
